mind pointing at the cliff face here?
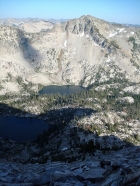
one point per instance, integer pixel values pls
(79, 51)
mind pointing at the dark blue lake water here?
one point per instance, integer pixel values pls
(21, 129)
(53, 89)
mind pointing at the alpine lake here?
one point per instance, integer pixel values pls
(27, 129)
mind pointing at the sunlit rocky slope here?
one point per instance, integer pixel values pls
(79, 51)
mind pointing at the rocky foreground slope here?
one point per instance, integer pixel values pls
(82, 164)
(60, 161)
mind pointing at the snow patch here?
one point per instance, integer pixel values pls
(111, 35)
(65, 43)
(82, 34)
(95, 44)
(108, 60)
(132, 33)
(65, 148)
(120, 29)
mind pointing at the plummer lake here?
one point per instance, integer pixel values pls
(21, 129)
(53, 89)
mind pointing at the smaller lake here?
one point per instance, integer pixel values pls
(53, 89)
(21, 129)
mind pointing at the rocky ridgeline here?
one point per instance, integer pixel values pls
(79, 51)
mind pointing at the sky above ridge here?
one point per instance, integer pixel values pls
(119, 11)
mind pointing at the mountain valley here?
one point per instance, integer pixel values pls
(94, 138)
